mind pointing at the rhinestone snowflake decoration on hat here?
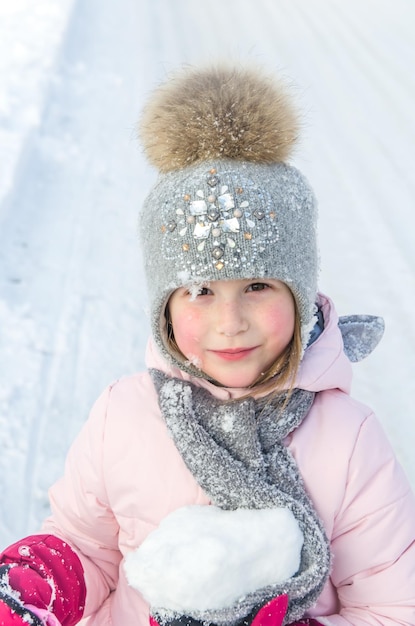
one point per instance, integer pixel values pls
(219, 225)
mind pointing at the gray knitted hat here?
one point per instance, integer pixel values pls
(226, 204)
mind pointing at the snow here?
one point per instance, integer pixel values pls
(202, 557)
(6, 588)
(73, 313)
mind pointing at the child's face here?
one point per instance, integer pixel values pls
(233, 330)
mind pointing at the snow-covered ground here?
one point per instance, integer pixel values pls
(74, 75)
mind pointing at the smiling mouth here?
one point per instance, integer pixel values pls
(233, 354)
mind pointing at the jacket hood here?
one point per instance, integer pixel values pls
(324, 364)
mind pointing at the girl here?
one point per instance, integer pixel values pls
(235, 482)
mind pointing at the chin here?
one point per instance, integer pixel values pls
(235, 382)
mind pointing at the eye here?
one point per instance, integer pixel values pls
(197, 290)
(257, 287)
(203, 291)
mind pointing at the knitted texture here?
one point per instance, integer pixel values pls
(234, 208)
(236, 453)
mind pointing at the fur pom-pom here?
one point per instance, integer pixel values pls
(218, 113)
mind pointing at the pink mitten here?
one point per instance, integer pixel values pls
(41, 583)
(272, 613)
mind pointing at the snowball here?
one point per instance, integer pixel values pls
(202, 557)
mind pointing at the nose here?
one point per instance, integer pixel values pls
(231, 319)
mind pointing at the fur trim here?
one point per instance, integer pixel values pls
(218, 112)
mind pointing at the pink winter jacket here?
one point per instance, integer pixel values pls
(124, 475)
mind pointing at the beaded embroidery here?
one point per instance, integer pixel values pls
(212, 227)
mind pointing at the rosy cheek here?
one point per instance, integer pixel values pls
(281, 321)
(187, 333)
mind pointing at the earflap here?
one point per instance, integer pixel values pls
(361, 334)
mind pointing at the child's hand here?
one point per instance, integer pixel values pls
(271, 614)
(26, 584)
(12, 609)
(41, 583)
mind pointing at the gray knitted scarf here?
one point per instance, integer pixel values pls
(236, 452)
